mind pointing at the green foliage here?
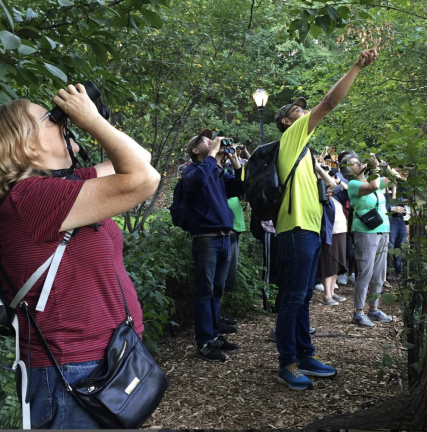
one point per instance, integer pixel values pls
(10, 408)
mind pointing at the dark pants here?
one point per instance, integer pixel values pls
(398, 236)
(211, 261)
(230, 282)
(299, 252)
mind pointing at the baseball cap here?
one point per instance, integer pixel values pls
(284, 112)
(196, 140)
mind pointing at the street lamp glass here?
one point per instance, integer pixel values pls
(260, 97)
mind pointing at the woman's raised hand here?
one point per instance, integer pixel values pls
(79, 108)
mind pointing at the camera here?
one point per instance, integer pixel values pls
(333, 172)
(57, 115)
(325, 167)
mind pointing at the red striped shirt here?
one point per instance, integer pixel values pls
(85, 305)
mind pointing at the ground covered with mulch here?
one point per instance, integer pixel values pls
(243, 392)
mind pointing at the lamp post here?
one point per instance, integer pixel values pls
(261, 98)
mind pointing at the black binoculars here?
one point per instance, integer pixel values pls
(57, 115)
(227, 143)
(240, 147)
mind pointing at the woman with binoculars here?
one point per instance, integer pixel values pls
(85, 304)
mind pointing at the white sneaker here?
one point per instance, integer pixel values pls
(351, 279)
(336, 286)
(342, 279)
(319, 287)
(329, 301)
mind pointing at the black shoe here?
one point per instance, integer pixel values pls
(312, 330)
(210, 353)
(226, 329)
(222, 344)
(228, 321)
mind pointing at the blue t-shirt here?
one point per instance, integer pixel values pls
(365, 204)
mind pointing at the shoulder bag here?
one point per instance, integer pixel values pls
(372, 219)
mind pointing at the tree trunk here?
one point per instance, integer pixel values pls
(404, 412)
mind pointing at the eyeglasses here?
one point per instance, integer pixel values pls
(197, 141)
(289, 112)
(48, 116)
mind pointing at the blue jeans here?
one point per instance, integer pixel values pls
(52, 407)
(211, 261)
(397, 237)
(230, 282)
(299, 252)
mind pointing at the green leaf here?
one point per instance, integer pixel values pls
(332, 12)
(52, 42)
(100, 52)
(28, 76)
(4, 98)
(408, 345)
(79, 61)
(324, 22)
(315, 30)
(6, 69)
(387, 360)
(27, 48)
(65, 3)
(386, 346)
(30, 14)
(56, 72)
(5, 7)
(9, 90)
(388, 298)
(343, 12)
(9, 40)
(152, 18)
(138, 4)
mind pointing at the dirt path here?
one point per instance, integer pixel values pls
(243, 392)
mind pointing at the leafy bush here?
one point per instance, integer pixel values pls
(10, 408)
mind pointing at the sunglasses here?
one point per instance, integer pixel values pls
(288, 112)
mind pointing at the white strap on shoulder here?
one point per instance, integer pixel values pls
(56, 260)
(53, 262)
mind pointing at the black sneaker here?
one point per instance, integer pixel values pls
(226, 329)
(228, 321)
(222, 344)
(210, 353)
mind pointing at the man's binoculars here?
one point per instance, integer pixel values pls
(240, 147)
(227, 143)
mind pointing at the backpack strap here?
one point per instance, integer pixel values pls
(291, 176)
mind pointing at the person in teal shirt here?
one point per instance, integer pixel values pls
(371, 245)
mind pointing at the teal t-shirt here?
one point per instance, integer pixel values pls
(365, 204)
(237, 209)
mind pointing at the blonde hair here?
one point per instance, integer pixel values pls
(17, 128)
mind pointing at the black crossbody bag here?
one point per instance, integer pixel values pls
(127, 385)
(372, 219)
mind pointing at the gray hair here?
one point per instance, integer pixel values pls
(345, 170)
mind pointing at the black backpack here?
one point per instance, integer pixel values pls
(180, 209)
(263, 189)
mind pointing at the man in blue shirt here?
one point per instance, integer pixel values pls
(206, 189)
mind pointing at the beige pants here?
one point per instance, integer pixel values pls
(371, 261)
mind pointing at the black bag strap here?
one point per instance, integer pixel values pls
(376, 205)
(291, 176)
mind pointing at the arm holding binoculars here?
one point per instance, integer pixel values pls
(134, 180)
